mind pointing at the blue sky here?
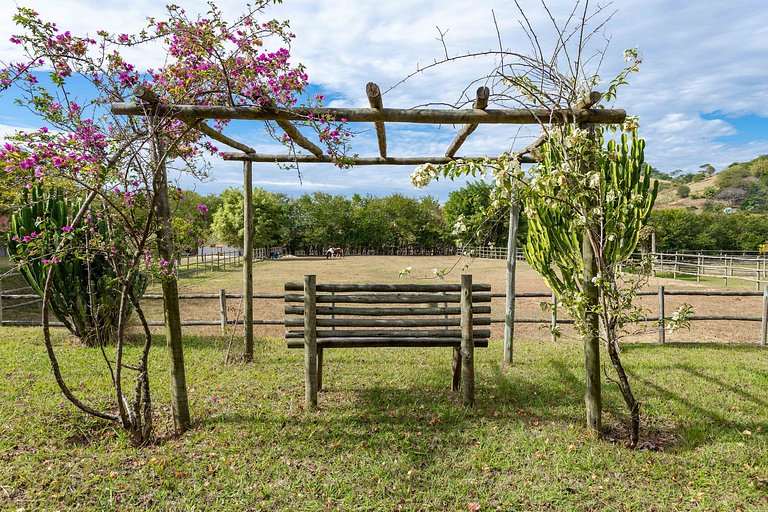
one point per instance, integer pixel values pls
(701, 94)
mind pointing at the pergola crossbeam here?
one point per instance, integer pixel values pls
(371, 160)
(392, 115)
(298, 138)
(373, 92)
(481, 102)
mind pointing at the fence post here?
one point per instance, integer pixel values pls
(467, 342)
(674, 270)
(698, 268)
(310, 342)
(223, 310)
(554, 316)
(764, 330)
(661, 315)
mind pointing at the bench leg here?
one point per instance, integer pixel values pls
(468, 372)
(310, 375)
(319, 368)
(456, 373)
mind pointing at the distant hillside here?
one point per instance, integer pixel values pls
(742, 186)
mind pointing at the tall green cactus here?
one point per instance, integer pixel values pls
(85, 294)
(625, 199)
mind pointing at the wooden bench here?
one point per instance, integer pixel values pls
(387, 315)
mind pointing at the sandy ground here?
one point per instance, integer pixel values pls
(270, 276)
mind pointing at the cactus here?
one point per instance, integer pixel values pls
(555, 234)
(85, 294)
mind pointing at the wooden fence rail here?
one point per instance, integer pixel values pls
(745, 268)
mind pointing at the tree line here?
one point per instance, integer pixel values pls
(313, 222)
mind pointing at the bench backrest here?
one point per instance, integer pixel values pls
(388, 315)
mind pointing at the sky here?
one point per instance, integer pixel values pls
(701, 94)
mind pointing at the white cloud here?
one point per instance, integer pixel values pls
(699, 57)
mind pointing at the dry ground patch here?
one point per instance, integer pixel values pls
(270, 275)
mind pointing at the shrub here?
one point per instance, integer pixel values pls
(85, 293)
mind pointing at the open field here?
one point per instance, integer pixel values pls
(389, 434)
(269, 276)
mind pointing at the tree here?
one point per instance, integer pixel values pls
(683, 191)
(583, 192)
(122, 162)
(268, 218)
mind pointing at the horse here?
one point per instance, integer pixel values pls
(334, 252)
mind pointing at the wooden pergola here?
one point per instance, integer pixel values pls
(469, 118)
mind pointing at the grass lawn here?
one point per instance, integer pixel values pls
(389, 434)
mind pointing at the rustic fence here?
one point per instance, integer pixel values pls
(714, 266)
(224, 321)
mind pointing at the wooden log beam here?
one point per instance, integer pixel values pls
(218, 136)
(371, 115)
(388, 333)
(374, 98)
(371, 160)
(386, 342)
(387, 298)
(481, 103)
(401, 311)
(391, 288)
(388, 322)
(298, 138)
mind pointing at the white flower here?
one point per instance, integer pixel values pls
(422, 175)
(594, 180)
(631, 123)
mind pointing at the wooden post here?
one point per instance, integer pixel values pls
(674, 269)
(171, 310)
(592, 394)
(310, 342)
(553, 325)
(223, 310)
(467, 343)
(764, 330)
(662, 315)
(698, 268)
(248, 260)
(509, 316)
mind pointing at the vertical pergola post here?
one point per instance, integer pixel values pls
(509, 314)
(593, 391)
(248, 259)
(172, 313)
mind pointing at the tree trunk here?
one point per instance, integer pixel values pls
(626, 391)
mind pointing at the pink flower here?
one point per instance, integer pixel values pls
(67, 229)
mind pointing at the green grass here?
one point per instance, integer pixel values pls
(389, 434)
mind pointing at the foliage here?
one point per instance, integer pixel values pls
(121, 163)
(474, 221)
(683, 191)
(681, 230)
(85, 293)
(268, 213)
